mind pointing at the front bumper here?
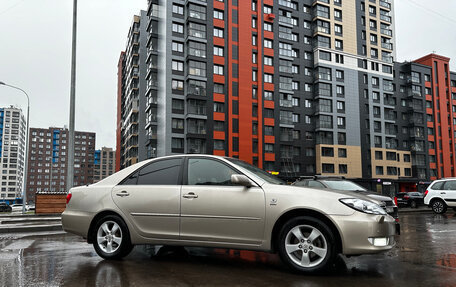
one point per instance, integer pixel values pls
(360, 230)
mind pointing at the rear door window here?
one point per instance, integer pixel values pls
(163, 172)
(438, 185)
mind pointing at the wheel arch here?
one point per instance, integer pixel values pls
(304, 212)
(95, 220)
(432, 200)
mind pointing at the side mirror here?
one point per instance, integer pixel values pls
(240, 179)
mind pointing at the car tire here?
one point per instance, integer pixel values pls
(306, 245)
(438, 206)
(111, 238)
(413, 204)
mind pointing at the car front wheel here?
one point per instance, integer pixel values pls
(438, 206)
(111, 238)
(306, 244)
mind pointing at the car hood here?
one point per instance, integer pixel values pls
(375, 196)
(339, 194)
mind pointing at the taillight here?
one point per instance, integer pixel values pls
(68, 197)
(406, 197)
(426, 192)
(395, 200)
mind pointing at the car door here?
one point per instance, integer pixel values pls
(150, 198)
(449, 192)
(212, 209)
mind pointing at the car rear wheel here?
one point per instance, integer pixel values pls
(438, 206)
(111, 238)
(306, 244)
(413, 204)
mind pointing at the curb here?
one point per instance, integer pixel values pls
(34, 228)
(29, 220)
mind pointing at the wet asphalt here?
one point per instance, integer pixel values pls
(425, 255)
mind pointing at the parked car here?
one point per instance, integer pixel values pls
(340, 183)
(211, 201)
(412, 199)
(4, 207)
(441, 194)
(16, 207)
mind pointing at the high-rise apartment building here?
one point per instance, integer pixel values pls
(296, 87)
(131, 118)
(12, 152)
(104, 163)
(48, 158)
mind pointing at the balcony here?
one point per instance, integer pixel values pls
(385, 4)
(387, 32)
(388, 46)
(385, 18)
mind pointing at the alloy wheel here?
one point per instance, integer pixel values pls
(438, 206)
(306, 246)
(109, 237)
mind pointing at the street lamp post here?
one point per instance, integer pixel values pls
(70, 167)
(24, 188)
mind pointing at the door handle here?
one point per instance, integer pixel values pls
(443, 193)
(190, 195)
(123, 193)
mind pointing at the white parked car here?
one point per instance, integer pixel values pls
(17, 207)
(441, 194)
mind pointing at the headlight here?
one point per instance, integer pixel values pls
(363, 206)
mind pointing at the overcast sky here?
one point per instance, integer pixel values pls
(35, 54)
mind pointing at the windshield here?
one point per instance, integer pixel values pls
(269, 178)
(343, 185)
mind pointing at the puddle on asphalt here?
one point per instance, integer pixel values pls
(448, 261)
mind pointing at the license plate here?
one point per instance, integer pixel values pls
(389, 209)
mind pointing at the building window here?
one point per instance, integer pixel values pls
(218, 51)
(197, 49)
(178, 47)
(268, 43)
(196, 68)
(197, 30)
(327, 152)
(178, 28)
(268, 78)
(218, 14)
(268, 61)
(219, 88)
(177, 85)
(218, 70)
(218, 32)
(379, 170)
(178, 9)
(343, 169)
(197, 12)
(327, 168)
(178, 66)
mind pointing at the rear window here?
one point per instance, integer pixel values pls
(438, 185)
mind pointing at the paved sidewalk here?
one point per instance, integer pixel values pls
(13, 223)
